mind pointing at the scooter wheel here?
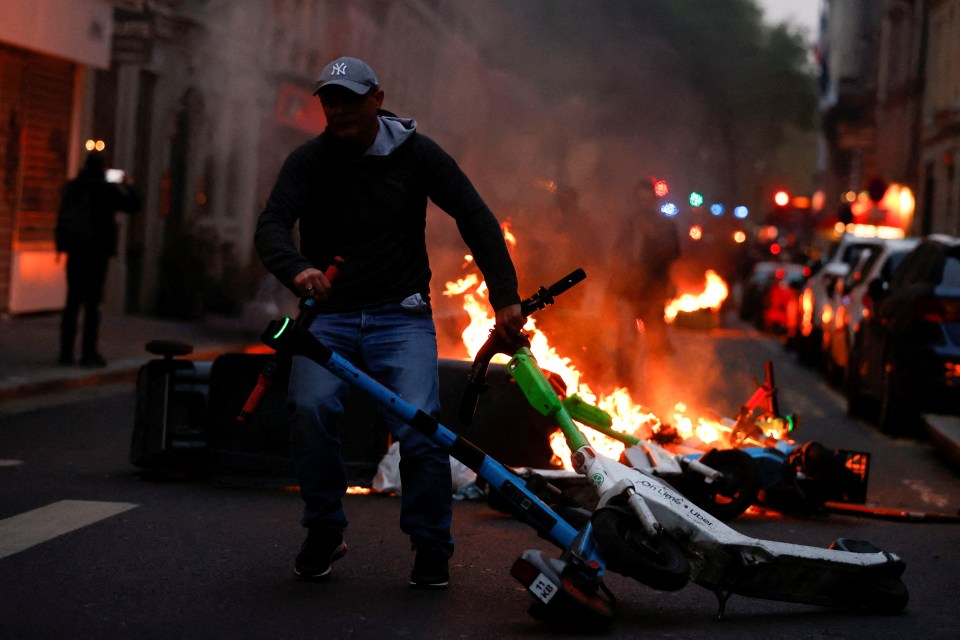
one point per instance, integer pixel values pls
(657, 562)
(731, 495)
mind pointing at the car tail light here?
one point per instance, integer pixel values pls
(938, 311)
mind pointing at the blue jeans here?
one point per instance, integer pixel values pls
(398, 347)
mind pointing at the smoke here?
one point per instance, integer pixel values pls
(555, 139)
(555, 110)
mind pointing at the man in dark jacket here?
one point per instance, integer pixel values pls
(87, 233)
(359, 190)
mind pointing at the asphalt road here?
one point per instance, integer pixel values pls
(193, 558)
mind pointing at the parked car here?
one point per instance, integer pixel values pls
(817, 292)
(850, 300)
(781, 302)
(766, 286)
(906, 350)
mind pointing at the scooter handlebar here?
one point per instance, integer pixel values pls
(545, 295)
(476, 379)
(305, 317)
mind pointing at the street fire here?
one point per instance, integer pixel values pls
(627, 416)
(714, 293)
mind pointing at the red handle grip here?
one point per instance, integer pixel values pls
(264, 380)
(256, 397)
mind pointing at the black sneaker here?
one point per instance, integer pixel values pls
(430, 570)
(321, 549)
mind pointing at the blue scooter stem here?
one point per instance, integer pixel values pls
(295, 339)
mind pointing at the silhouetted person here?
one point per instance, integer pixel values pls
(87, 233)
(646, 247)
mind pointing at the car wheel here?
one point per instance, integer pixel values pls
(899, 412)
(808, 351)
(856, 402)
(832, 371)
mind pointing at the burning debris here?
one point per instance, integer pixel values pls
(629, 417)
(699, 311)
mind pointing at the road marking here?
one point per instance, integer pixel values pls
(28, 529)
(927, 493)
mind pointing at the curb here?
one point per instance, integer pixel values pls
(125, 370)
(944, 435)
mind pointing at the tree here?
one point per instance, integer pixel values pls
(692, 73)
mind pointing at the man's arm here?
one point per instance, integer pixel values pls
(273, 239)
(452, 191)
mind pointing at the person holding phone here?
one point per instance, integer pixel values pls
(87, 232)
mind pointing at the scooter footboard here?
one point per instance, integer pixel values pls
(809, 575)
(849, 574)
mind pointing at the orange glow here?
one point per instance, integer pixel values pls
(696, 232)
(508, 235)
(739, 237)
(660, 188)
(781, 198)
(715, 291)
(826, 316)
(627, 415)
(257, 348)
(806, 312)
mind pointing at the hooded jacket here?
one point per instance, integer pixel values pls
(371, 210)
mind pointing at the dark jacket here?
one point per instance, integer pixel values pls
(371, 210)
(86, 221)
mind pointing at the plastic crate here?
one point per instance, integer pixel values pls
(857, 466)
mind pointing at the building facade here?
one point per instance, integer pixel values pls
(49, 52)
(891, 107)
(200, 102)
(940, 122)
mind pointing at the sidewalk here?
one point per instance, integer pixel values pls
(29, 347)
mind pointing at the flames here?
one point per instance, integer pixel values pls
(714, 293)
(628, 416)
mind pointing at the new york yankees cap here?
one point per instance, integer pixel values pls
(352, 73)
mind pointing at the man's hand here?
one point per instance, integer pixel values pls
(312, 283)
(509, 324)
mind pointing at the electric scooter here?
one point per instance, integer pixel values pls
(642, 528)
